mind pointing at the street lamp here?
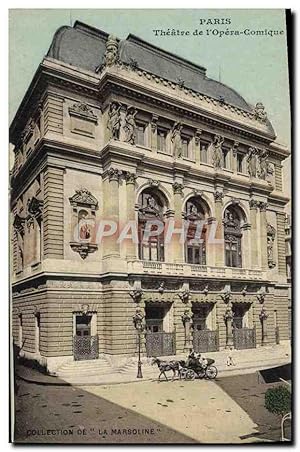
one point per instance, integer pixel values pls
(139, 326)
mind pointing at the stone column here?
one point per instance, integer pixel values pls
(111, 247)
(254, 242)
(219, 232)
(177, 247)
(197, 146)
(263, 318)
(187, 320)
(263, 235)
(153, 133)
(234, 150)
(263, 315)
(228, 316)
(131, 217)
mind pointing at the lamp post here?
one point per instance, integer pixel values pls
(139, 326)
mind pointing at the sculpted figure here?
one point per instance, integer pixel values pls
(130, 125)
(259, 112)
(217, 152)
(263, 165)
(111, 53)
(176, 140)
(114, 120)
(251, 160)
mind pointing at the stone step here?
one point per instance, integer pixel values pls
(84, 368)
(85, 363)
(72, 366)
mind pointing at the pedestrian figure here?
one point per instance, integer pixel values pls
(230, 360)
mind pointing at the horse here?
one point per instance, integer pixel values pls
(166, 366)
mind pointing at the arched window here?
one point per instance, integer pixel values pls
(151, 225)
(195, 243)
(232, 237)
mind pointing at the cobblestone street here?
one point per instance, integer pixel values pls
(230, 410)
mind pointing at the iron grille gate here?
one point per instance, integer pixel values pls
(85, 347)
(205, 341)
(244, 338)
(160, 344)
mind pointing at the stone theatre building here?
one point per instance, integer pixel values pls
(120, 132)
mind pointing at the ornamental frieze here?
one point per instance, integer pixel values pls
(83, 111)
(61, 284)
(160, 285)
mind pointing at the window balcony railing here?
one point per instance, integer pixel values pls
(185, 269)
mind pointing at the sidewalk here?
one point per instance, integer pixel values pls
(247, 361)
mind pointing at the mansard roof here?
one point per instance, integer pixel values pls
(84, 46)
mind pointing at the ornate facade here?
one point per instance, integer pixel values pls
(130, 134)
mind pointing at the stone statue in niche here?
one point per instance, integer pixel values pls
(130, 125)
(252, 162)
(263, 165)
(176, 140)
(111, 53)
(259, 112)
(271, 232)
(114, 120)
(86, 226)
(217, 155)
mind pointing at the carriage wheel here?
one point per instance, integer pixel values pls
(190, 375)
(201, 373)
(211, 372)
(182, 373)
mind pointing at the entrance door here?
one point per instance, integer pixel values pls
(158, 341)
(85, 345)
(204, 339)
(243, 336)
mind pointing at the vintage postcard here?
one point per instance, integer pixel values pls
(150, 226)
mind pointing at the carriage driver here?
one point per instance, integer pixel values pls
(194, 359)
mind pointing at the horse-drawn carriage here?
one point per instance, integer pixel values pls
(189, 369)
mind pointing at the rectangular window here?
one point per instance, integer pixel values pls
(161, 140)
(233, 253)
(226, 163)
(185, 146)
(239, 160)
(203, 152)
(140, 134)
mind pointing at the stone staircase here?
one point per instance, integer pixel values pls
(76, 370)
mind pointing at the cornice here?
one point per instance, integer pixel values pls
(51, 72)
(112, 78)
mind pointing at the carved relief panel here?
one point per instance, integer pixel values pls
(83, 238)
